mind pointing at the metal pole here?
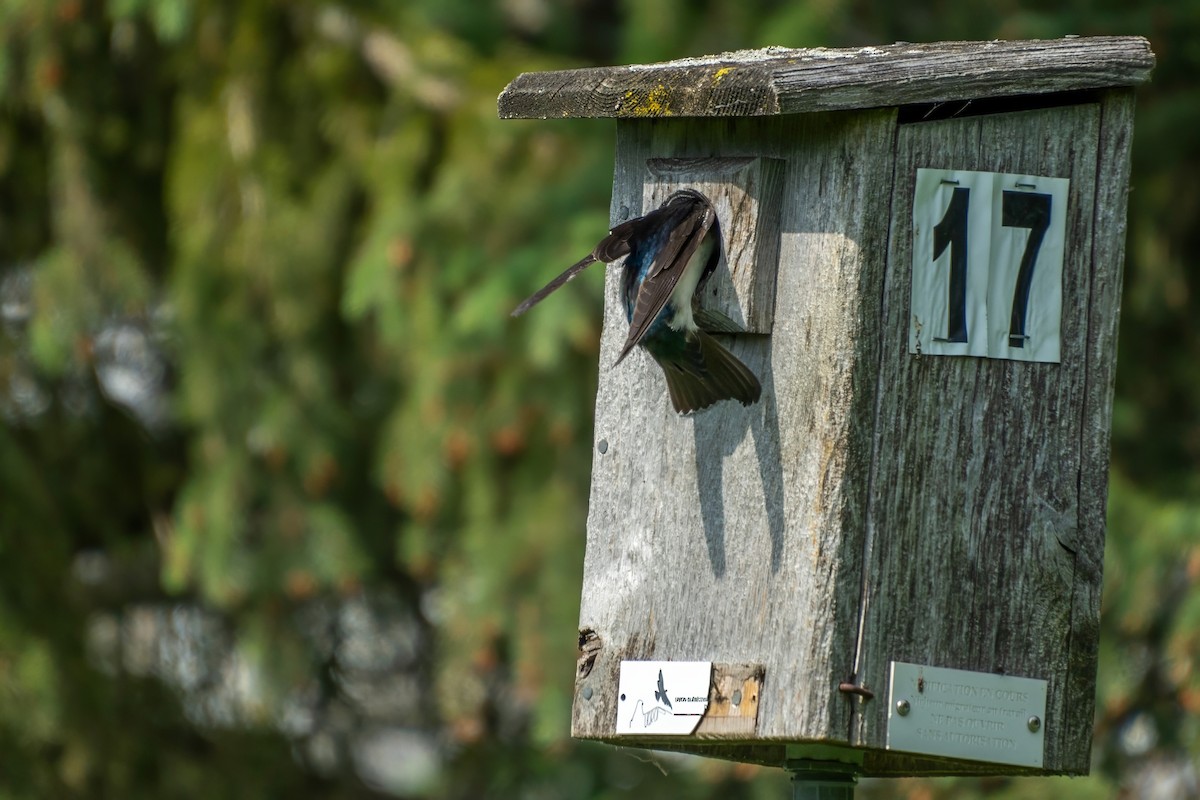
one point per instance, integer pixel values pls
(822, 780)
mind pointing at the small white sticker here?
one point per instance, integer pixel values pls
(988, 253)
(662, 697)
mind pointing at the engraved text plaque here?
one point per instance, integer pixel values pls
(968, 715)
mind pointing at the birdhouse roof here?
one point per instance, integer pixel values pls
(780, 80)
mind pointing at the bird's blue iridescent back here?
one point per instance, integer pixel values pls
(637, 267)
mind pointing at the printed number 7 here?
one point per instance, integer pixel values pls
(1018, 210)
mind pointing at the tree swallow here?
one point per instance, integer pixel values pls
(670, 253)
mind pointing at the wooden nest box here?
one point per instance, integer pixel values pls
(893, 560)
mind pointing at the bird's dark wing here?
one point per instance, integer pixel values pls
(686, 234)
(541, 293)
(616, 244)
(612, 247)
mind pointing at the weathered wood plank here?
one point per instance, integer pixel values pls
(1108, 256)
(733, 536)
(733, 701)
(779, 80)
(975, 528)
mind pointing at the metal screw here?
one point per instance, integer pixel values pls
(624, 213)
(602, 446)
(1034, 724)
(737, 697)
(902, 708)
(587, 693)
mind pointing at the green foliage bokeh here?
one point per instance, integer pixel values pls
(305, 225)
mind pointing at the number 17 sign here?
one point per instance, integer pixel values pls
(987, 264)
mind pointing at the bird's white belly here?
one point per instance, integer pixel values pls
(681, 296)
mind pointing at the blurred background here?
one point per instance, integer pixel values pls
(289, 507)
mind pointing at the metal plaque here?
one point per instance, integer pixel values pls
(969, 715)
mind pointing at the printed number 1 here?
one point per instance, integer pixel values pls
(952, 232)
(1018, 210)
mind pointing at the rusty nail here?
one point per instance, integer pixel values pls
(851, 688)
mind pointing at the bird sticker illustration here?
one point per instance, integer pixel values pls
(662, 697)
(669, 255)
(660, 694)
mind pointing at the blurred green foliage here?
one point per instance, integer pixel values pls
(291, 509)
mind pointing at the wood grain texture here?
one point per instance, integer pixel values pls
(732, 536)
(975, 528)
(733, 700)
(779, 80)
(747, 196)
(1108, 260)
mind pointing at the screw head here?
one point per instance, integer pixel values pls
(1034, 724)
(902, 708)
(602, 446)
(736, 697)
(587, 693)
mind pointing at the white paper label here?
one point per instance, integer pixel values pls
(662, 697)
(988, 252)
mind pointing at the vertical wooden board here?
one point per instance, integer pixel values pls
(1108, 256)
(975, 510)
(736, 535)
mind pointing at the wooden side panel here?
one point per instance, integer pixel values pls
(981, 552)
(736, 536)
(1108, 257)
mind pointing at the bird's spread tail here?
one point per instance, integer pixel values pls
(706, 374)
